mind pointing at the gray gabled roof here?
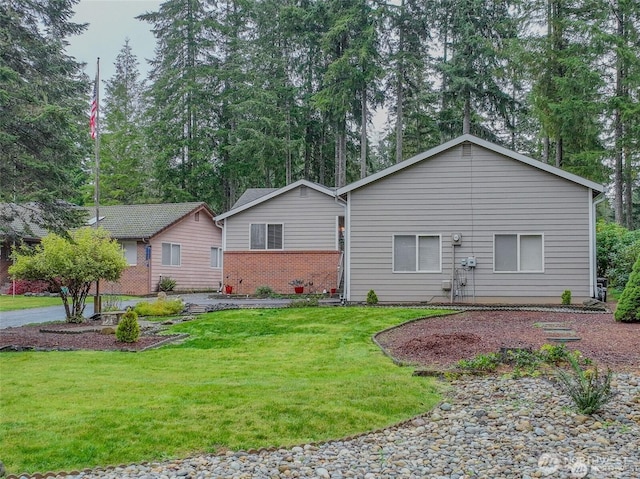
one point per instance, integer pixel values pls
(257, 199)
(19, 221)
(252, 194)
(477, 141)
(143, 221)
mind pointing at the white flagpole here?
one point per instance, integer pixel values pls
(97, 304)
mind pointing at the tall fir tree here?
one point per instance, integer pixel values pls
(473, 35)
(44, 102)
(180, 113)
(125, 164)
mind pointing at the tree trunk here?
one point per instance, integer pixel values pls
(466, 122)
(399, 87)
(618, 178)
(559, 153)
(363, 135)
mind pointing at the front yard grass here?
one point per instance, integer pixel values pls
(10, 302)
(243, 379)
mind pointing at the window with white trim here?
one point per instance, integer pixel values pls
(417, 253)
(170, 254)
(216, 257)
(518, 253)
(266, 236)
(130, 251)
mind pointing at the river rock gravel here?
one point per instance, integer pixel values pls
(488, 427)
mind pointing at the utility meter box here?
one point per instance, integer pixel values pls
(471, 261)
(456, 239)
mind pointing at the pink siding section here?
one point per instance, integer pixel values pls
(196, 238)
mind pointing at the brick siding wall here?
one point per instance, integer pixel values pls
(247, 270)
(134, 279)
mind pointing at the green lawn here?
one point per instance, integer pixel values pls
(12, 303)
(245, 379)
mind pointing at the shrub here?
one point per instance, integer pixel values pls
(372, 297)
(587, 388)
(566, 297)
(26, 286)
(617, 250)
(482, 362)
(159, 308)
(128, 330)
(264, 291)
(304, 303)
(628, 309)
(554, 353)
(167, 284)
(111, 302)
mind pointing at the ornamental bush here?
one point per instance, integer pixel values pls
(128, 330)
(159, 308)
(628, 309)
(372, 297)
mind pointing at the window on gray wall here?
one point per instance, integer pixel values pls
(417, 253)
(266, 236)
(170, 254)
(518, 253)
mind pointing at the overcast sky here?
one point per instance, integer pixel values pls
(110, 23)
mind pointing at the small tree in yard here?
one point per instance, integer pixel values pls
(628, 309)
(70, 265)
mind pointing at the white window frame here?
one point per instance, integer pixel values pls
(216, 252)
(171, 262)
(417, 259)
(519, 269)
(266, 237)
(126, 247)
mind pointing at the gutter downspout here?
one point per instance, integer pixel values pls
(592, 242)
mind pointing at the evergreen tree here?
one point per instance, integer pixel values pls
(44, 129)
(125, 168)
(473, 34)
(181, 113)
(622, 36)
(566, 94)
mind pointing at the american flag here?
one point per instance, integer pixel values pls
(93, 120)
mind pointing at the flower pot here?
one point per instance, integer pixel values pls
(228, 289)
(333, 291)
(298, 289)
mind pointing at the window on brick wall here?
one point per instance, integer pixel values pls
(130, 251)
(170, 254)
(266, 236)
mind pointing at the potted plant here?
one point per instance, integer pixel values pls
(298, 285)
(228, 289)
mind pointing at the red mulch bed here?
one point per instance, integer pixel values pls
(440, 342)
(70, 336)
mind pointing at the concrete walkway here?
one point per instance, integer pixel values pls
(22, 317)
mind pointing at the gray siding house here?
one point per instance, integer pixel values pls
(272, 237)
(470, 221)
